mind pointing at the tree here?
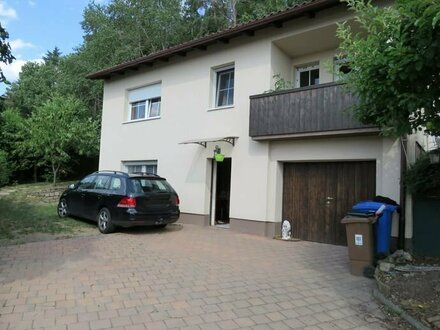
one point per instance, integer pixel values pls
(5, 51)
(395, 71)
(37, 83)
(5, 170)
(122, 30)
(60, 127)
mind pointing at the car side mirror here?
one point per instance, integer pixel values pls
(72, 186)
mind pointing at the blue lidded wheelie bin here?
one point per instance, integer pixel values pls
(382, 225)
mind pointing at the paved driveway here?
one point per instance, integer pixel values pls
(185, 277)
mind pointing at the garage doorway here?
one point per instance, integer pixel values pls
(316, 196)
(221, 191)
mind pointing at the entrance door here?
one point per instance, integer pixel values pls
(222, 191)
(316, 196)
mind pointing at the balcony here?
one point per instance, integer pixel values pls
(321, 110)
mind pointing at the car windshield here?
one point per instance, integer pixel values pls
(150, 185)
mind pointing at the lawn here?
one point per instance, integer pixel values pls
(23, 218)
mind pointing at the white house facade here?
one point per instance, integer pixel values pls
(294, 154)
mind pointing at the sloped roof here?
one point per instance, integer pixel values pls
(308, 8)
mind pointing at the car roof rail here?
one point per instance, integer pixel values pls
(145, 174)
(112, 172)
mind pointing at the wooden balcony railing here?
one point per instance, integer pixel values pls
(320, 110)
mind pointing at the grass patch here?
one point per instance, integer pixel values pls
(20, 216)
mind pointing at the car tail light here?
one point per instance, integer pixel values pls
(177, 201)
(128, 202)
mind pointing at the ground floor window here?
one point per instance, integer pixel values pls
(147, 166)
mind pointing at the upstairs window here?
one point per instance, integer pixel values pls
(224, 93)
(307, 75)
(144, 102)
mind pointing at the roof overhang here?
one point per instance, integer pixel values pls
(248, 29)
(204, 142)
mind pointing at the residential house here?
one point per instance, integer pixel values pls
(296, 154)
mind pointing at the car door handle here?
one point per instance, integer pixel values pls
(83, 195)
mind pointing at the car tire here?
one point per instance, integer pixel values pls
(104, 219)
(163, 225)
(62, 210)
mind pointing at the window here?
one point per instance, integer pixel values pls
(102, 182)
(144, 103)
(116, 184)
(151, 185)
(87, 183)
(224, 92)
(141, 167)
(307, 75)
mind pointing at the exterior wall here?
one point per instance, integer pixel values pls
(187, 113)
(281, 64)
(386, 152)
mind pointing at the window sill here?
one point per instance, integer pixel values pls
(222, 108)
(138, 120)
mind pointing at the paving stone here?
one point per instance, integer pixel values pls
(100, 324)
(191, 278)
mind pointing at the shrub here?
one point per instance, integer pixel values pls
(5, 171)
(423, 177)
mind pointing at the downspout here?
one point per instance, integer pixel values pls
(402, 202)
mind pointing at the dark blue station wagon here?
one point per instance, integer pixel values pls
(113, 198)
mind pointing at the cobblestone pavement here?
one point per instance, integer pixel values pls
(183, 277)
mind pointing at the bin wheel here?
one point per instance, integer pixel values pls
(369, 271)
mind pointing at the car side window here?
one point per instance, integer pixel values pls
(116, 184)
(87, 183)
(102, 182)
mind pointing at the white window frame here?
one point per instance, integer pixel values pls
(143, 163)
(305, 68)
(148, 96)
(217, 73)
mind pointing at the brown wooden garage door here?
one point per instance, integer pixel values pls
(316, 196)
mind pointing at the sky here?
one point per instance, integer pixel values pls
(36, 26)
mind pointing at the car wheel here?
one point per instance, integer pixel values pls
(63, 210)
(105, 221)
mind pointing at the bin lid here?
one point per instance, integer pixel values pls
(373, 206)
(358, 219)
(361, 213)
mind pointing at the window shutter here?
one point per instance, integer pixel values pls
(144, 93)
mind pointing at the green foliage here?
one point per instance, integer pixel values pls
(282, 84)
(35, 129)
(5, 51)
(394, 64)
(5, 170)
(38, 81)
(423, 178)
(253, 9)
(59, 127)
(123, 30)
(12, 135)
